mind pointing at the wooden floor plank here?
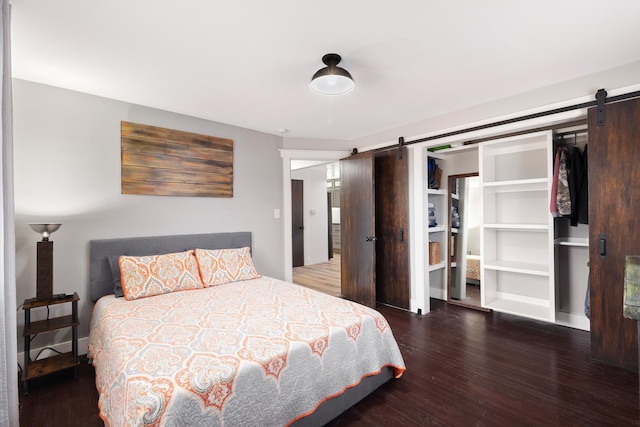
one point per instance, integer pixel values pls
(323, 277)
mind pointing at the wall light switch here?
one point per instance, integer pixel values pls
(276, 213)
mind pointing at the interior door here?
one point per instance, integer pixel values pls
(329, 227)
(297, 222)
(614, 204)
(357, 222)
(392, 245)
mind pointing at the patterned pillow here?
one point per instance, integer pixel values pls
(145, 276)
(220, 266)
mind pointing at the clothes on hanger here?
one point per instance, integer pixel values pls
(578, 187)
(570, 187)
(563, 196)
(583, 206)
(554, 185)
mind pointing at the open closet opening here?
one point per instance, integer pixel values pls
(569, 206)
(511, 223)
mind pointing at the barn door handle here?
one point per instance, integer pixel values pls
(602, 245)
(402, 234)
(370, 238)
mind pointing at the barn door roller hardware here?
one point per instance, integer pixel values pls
(400, 147)
(601, 98)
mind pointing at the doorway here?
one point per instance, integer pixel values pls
(315, 216)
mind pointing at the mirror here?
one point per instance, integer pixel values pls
(464, 240)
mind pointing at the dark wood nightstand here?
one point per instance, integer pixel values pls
(37, 368)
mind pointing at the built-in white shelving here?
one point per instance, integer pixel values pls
(437, 229)
(517, 272)
(436, 272)
(573, 241)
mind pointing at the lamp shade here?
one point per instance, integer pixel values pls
(332, 80)
(45, 230)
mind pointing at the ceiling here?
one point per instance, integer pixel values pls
(248, 63)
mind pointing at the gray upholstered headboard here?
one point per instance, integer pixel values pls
(100, 277)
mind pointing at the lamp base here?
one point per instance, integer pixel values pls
(44, 278)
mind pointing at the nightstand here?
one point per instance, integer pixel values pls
(37, 368)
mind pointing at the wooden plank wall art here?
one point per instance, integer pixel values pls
(165, 162)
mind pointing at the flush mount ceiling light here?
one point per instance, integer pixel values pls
(332, 80)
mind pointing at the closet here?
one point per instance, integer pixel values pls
(435, 230)
(572, 234)
(532, 264)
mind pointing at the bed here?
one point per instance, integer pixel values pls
(252, 351)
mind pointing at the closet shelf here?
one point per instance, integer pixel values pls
(444, 153)
(438, 266)
(572, 241)
(436, 229)
(518, 267)
(518, 227)
(519, 185)
(440, 191)
(535, 308)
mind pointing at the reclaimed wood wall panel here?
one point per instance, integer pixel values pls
(166, 162)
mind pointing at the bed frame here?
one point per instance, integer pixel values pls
(101, 284)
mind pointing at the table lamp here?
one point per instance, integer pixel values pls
(44, 269)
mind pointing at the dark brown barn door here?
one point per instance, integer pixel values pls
(357, 229)
(297, 222)
(614, 206)
(392, 246)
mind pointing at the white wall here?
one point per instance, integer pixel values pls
(67, 170)
(541, 98)
(315, 213)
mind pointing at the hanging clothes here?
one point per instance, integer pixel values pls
(579, 187)
(563, 197)
(575, 183)
(553, 207)
(583, 208)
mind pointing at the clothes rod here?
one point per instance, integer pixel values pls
(594, 103)
(573, 133)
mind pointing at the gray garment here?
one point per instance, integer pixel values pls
(563, 197)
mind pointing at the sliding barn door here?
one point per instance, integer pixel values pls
(392, 246)
(357, 229)
(614, 206)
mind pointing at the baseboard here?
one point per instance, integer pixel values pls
(438, 293)
(572, 320)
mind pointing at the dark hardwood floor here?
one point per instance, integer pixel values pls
(464, 368)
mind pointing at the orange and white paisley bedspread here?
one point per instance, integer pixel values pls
(261, 352)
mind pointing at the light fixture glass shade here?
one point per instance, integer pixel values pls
(332, 80)
(45, 230)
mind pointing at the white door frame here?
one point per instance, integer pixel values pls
(288, 155)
